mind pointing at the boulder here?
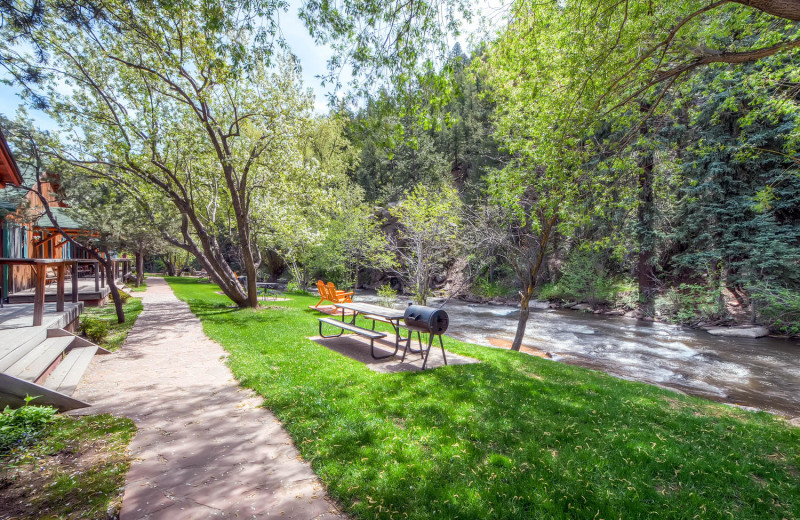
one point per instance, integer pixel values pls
(615, 312)
(739, 332)
(539, 305)
(582, 307)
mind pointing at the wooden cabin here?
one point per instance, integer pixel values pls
(22, 237)
(9, 171)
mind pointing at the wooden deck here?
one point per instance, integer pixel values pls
(18, 316)
(87, 293)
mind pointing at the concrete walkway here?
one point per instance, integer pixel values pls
(204, 449)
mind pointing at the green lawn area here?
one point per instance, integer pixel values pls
(117, 332)
(141, 288)
(513, 437)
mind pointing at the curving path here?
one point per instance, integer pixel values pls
(204, 448)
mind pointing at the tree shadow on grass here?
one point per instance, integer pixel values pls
(565, 449)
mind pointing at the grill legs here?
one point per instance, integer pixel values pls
(425, 352)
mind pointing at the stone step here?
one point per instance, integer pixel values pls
(33, 364)
(69, 372)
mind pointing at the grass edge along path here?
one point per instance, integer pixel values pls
(116, 332)
(513, 437)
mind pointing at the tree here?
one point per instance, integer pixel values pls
(384, 42)
(737, 212)
(179, 104)
(355, 240)
(397, 154)
(429, 232)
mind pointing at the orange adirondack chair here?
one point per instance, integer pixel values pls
(323, 292)
(338, 296)
(331, 294)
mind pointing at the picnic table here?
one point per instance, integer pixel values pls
(374, 313)
(266, 286)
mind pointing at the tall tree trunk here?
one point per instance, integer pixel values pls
(169, 263)
(139, 267)
(529, 283)
(274, 263)
(112, 285)
(645, 215)
(645, 273)
(524, 314)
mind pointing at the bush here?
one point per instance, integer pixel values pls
(483, 287)
(21, 427)
(387, 295)
(777, 307)
(124, 296)
(294, 288)
(96, 330)
(691, 302)
(584, 278)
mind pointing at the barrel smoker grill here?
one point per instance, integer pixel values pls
(427, 320)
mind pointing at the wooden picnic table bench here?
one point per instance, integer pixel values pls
(369, 311)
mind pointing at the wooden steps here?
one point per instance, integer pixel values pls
(18, 345)
(33, 364)
(43, 362)
(68, 373)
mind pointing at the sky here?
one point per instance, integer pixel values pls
(312, 57)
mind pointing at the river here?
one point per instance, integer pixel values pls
(761, 373)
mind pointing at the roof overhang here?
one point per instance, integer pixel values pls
(9, 171)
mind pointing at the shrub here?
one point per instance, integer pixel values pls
(294, 288)
(94, 329)
(777, 307)
(483, 287)
(124, 296)
(691, 302)
(584, 278)
(387, 295)
(21, 427)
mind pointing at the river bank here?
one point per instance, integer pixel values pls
(734, 325)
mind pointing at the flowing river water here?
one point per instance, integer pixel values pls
(761, 373)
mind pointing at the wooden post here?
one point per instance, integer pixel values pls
(61, 270)
(102, 274)
(75, 288)
(97, 277)
(40, 272)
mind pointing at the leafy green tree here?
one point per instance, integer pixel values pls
(428, 237)
(181, 104)
(397, 154)
(737, 213)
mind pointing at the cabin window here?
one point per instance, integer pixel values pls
(16, 241)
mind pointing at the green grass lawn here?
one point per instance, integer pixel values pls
(141, 288)
(117, 332)
(512, 437)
